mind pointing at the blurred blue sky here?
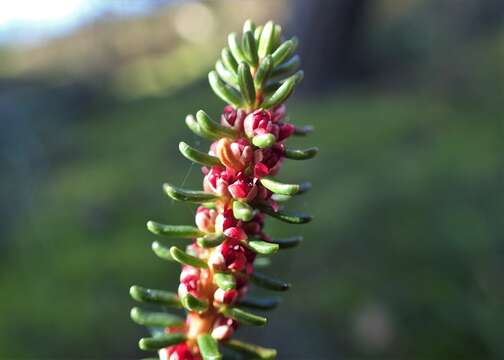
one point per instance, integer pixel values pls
(31, 21)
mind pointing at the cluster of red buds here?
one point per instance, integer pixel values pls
(255, 75)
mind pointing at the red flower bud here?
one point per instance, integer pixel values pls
(233, 118)
(235, 233)
(235, 255)
(224, 221)
(260, 122)
(271, 157)
(260, 170)
(177, 352)
(243, 190)
(278, 113)
(223, 328)
(236, 155)
(254, 226)
(217, 181)
(286, 130)
(226, 297)
(205, 219)
(189, 281)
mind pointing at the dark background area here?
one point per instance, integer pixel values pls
(405, 256)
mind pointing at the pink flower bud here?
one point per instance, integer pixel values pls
(205, 219)
(243, 190)
(235, 255)
(254, 227)
(233, 118)
(235, 233)
(177, 352)
(278, 113)
(226, 297)
(260, 122)
(217, 181)
(223, 328)
(235, 155)
(225, 220)
(217, 260)
(260, 170)
(271, 157)
(189, 281)
(286, 130)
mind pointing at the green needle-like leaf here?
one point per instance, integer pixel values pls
(246, 83)
(263, 247)
(284, 51)
(277, 35)
(180, 231)
(208, 347)
(262, 262)
(303, 131)
(224, 91)
(225, 281)
(257, 33)
(260, 303)
(251, 350)
(210, 240)
(288, 242)
(225, 74)
(192, 303)
(197, 156)
(283, 92)
(278, 187)
(242, 211)
(266, 39)
(186, 259)
(161, 251)
(161, 341)
(301, 154)
(154, 296)
(249, 25)
(192, 124)
(235, 47)
(193, 196)
(304, 187)
(244, 317)
(249, 47)
(280, 198)
(150, 318)
(264, 141)
(268, 282)
(263, 72)
(208, 125)
(288, 217)
(287, 68)
(229, 61)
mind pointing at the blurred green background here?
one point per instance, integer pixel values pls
(405, 256)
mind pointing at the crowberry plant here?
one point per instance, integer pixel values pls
(255, 75)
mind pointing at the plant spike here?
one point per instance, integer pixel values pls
(255, 75)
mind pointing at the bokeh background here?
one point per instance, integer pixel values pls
(405, 257)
